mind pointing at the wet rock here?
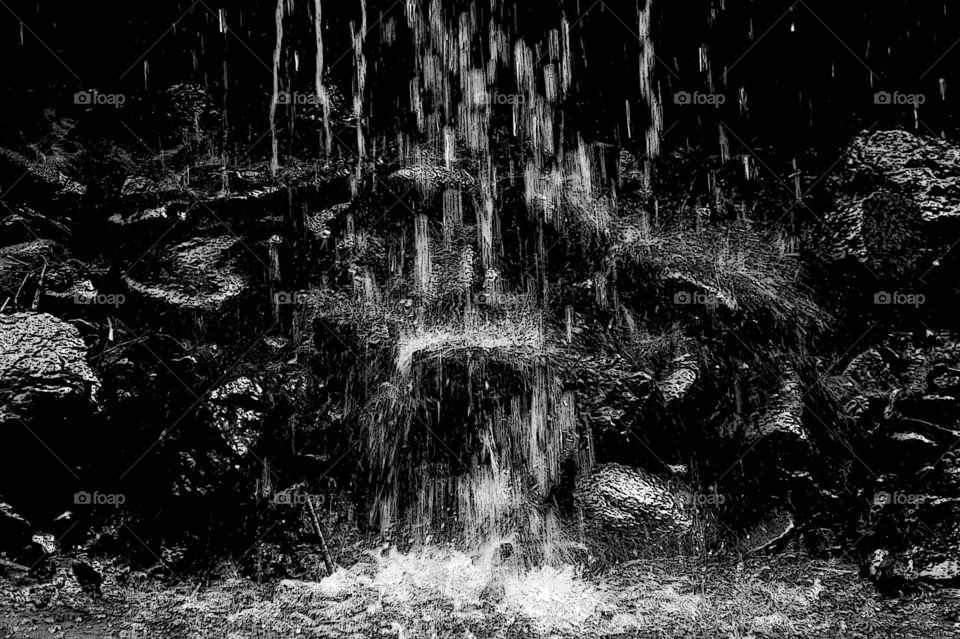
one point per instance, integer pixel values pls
(42, 359)
(865, 387)
(893, 188)
(681, 375)
(40, 177)
(199, 275)
(237, 411)
(430, 179)
(925, 167)
(783, 414)
(913, 537)
(163, 215)
(614, 497)
(319, 224)
(771, 533)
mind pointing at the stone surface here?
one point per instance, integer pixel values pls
(42, 359)
(619, 498)
(198, 274)
(237, 411)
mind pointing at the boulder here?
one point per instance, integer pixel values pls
(199, 275)
(237, 410)
(927, 168)
(620, 499)
(42, 360)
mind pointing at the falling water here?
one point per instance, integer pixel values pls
(275, 97)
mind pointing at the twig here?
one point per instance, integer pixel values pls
(10, 564)
(324, 551)
(39, 291)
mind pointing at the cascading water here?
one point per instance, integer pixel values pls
(468, 427)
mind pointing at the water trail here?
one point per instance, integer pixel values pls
(275, 97)
(321, 91)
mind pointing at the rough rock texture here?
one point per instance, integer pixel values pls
(679, 379)
(910, 531)
(894, 185)
(629, 500)
(783, 414)
(770, 534)
(925, 167)
(198, 274)
(41, 359)
(43, 175)
(237, 410)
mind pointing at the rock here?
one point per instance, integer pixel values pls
(629, 500)
(237, 411)
(772, 533)
(431, 179)
(199, 275)
(783, 414)
(680, 377)
(913, 538)
(40, 177)
(15, 531)
(42, 360)
(925, 167)
(163, 215)
(319, 224)
(893, 188)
